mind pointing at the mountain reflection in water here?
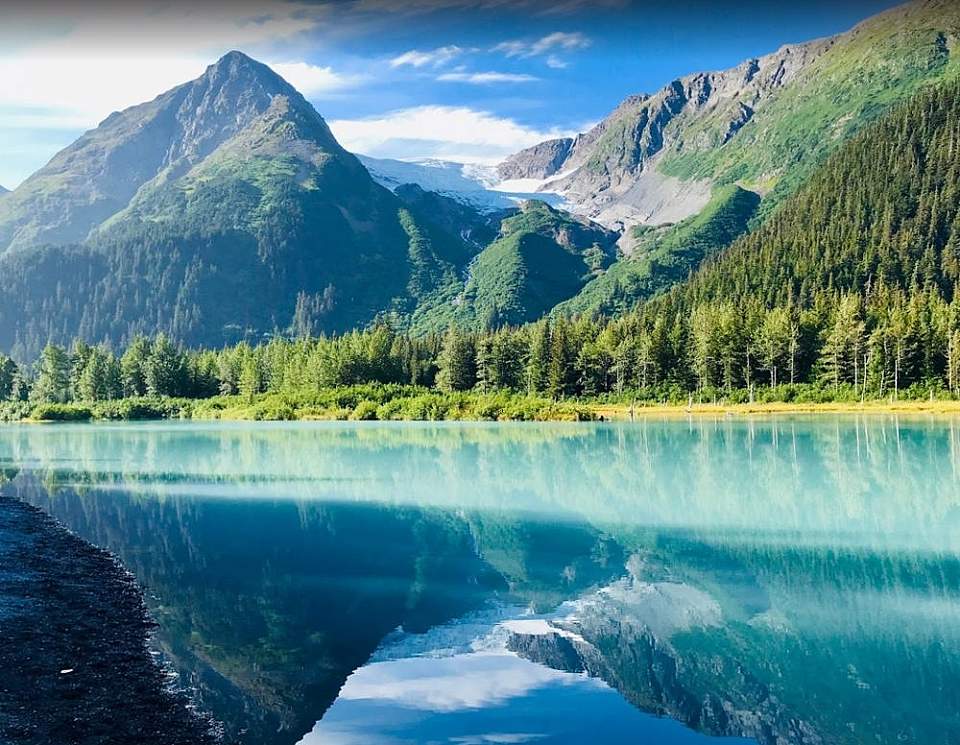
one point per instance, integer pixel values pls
(781, 581)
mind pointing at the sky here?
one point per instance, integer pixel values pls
(465, 80)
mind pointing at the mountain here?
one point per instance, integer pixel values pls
(3, 190)
(224, 208)
(540, 257)
(763, 124)
(98, 175)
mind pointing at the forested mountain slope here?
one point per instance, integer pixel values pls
(661, 257)
(885, 209)
(540, 258)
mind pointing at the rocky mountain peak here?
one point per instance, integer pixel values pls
(537, 162)
(154, 142)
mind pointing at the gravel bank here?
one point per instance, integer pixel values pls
(75, 668)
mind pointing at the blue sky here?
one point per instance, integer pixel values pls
(462, 80)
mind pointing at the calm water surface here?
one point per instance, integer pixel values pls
(769, 581)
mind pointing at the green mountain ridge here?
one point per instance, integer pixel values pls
(662, 257)
(541, 257)
(277, 228)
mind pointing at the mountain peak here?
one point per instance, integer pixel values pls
(239, 65)
(158, 141)
(234, 56)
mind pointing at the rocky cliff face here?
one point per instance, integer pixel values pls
(537, 162)
(614, 176)
(763, 124)
(623, 636)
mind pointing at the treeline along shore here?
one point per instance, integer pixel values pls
(846, 349)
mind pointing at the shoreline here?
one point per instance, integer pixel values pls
(622, 412)
(75, 662)
(374, 404)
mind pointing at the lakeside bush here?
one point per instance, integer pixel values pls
(61, 413)
(390, 402)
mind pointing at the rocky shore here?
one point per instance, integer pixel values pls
(75, 666)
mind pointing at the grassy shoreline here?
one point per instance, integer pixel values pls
(620, 412)
(408, 403)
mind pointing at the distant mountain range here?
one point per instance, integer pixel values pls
(225, 208)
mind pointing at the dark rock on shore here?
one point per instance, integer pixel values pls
(75, 667)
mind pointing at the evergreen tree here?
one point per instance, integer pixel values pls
(9, 373)
(133, 366)
(775, 339)
(100, 379)
(538, 364)
(53, 376)
(164, 371)
(457, 363)
(841, 361)
(561, 375)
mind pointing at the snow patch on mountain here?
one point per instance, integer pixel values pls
(475, 185)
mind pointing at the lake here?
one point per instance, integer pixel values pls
(769, 580)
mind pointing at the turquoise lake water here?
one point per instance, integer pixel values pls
(781, 580)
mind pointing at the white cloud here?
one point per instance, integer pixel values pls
(82, 65)
(73, 93)
(453, 133)
(66, 68)
(556, 63)
(436, 57)
(512, 48)
(469, 681)
(485, 78)
(312, 80)
(559, 40)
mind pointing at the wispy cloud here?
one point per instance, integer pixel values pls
(445, 132)
(314, 81)
(71, 67)
(559, 41)
(485, 78)
(435, 57)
